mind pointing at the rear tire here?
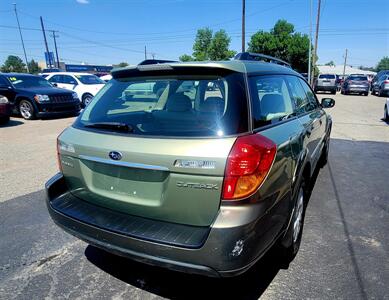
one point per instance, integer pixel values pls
(27, 110)
(290, 242)
(334, 92)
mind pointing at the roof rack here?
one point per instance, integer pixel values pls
(155, 62)
(261, 57)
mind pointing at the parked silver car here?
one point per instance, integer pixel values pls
(326, 82)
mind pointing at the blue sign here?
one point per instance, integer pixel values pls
(86, 68)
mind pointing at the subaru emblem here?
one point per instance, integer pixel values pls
(115, 155)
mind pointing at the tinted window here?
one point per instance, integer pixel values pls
(310, 95)
(68, 79)
(89, 79)
(20, 81)
(172, 105)
(326, 76)
(271, 99)
(56, 78)
(299, 97)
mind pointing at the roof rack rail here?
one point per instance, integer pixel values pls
(261, 57)
(155, 62)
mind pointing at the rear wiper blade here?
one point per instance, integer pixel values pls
(111, 125)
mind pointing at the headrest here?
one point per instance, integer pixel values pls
(272, 103)
(212, 105)
(178, 102)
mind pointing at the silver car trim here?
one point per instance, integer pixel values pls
(123, 163)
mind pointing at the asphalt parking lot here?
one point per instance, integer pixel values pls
(344, 252)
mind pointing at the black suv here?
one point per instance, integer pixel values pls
(33, 96)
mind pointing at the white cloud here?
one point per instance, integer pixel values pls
(83, 1)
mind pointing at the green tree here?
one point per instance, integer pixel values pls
(209, 46)
(33, 67)
(383, 64)
(218, 49)
(284, 43)
(186, 57)
(202, 43)
(330, 63)
(13, 64)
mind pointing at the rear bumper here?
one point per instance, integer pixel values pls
(326, 88)
(354, 89)
(236, 240)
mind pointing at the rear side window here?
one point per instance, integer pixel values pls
(310, 95)
(299, 97)
(174, 105)
(326, 76)
(271, 99)
(68, 79)
(56, 78)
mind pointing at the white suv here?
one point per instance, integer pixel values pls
(84, 84)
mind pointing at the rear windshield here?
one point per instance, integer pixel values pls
(327, 76)
(358, 78)
(192, 106)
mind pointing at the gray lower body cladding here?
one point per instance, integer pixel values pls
(236, 240)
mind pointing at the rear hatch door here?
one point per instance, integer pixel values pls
(176, 180)
(170, 164)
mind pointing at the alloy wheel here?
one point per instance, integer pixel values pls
(299, 212)
(25, 110)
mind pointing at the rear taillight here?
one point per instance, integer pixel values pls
(248, 163)
(386, 82)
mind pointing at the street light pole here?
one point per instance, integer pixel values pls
(317, 35)
(55, 45)
(310, 42)
(21, 37)
(243, 25)
(47, 47)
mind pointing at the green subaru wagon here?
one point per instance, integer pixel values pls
(196, 167)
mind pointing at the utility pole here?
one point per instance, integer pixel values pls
(21, 37)
(55, 45)
(47, 47)
(310, 43)
(243, 24)
(345, 63)
(317, 35)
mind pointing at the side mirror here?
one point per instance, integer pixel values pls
(327, 102)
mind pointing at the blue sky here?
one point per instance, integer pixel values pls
(111, 31)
